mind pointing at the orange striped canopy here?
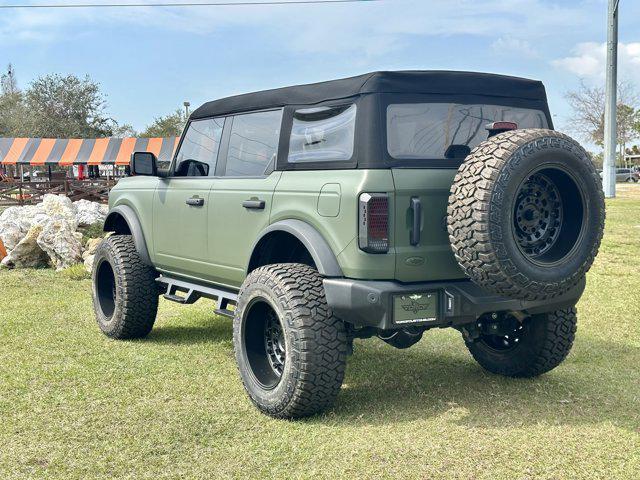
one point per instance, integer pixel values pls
(72, 151)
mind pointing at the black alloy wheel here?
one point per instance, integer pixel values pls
(504, 341)
(547, 215)
(105, 285)
(264, 343)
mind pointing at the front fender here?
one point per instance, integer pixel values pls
(128, 215)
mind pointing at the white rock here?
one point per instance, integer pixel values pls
(11, 231)
(27, 253)
(15, 223)
(89, 213)
(59, 240)
(59, 206)
(57, 219)
(88, 262)
(91, 246)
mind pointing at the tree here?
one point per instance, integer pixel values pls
(635, 151)
(125, 130)
(597, 159)
(8, 82)
(11, 110)
(65, 107)
(167, 126)
(588, 105)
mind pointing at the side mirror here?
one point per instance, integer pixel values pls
(144, 163)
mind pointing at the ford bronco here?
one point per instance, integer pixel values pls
(382, 205)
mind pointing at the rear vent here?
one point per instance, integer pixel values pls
(373, 222)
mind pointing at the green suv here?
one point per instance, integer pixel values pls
(381, 205)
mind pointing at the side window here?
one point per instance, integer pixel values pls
(322, 134)
(253, 144)
(199, 150)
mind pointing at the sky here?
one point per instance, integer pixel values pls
(149, 60)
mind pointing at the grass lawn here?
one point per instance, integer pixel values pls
(76, 405)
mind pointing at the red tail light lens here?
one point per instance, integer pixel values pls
(373, 222)
(498, 127)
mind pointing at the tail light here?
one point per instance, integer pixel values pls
(498, 127)
(373, 222)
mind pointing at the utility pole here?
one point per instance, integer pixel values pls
(610, 109)
(186, 109)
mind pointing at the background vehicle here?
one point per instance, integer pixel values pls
(626, 175)
(380, 205)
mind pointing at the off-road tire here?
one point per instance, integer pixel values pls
(543, 345)
(132, 313)
(480, 215)
(316, 342)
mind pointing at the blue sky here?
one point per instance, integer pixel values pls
(149, 60)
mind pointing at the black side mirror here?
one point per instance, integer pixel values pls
(144, 163)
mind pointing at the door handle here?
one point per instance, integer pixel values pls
(416, 208)
(195, 201)
(254, 204)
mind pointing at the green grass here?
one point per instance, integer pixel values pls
(75, 272)
(76, 405)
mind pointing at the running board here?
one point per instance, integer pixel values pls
(192, 292)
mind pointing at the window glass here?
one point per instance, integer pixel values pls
(446, 130)
(199, 150)
(253, 144)
(322, 134)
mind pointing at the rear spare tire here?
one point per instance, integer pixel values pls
(526, 214)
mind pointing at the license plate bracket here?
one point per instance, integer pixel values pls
(415, 308)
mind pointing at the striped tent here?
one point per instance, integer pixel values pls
(95, 151)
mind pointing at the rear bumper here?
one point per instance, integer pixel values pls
(370, 303)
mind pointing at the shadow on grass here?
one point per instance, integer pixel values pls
(211, 331)
(387, 386)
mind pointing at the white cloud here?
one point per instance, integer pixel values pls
(509, 45)
(589, 60)
(367, 29)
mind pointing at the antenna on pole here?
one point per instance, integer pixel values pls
(610, 109)
(186, 109)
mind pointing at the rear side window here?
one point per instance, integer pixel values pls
(322, 134)
(253, 144)
(198, 152)
(447, 130)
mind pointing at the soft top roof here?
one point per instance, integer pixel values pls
(429, 82)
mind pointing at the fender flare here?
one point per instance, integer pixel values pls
(314, 242)
(131, 218)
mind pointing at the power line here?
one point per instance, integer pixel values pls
(180, 4)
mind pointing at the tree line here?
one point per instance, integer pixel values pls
(67, 106)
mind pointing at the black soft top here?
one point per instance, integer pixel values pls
(435, 82)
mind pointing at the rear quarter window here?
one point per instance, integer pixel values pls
(322, 134)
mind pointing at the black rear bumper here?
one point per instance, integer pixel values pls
(370, 303)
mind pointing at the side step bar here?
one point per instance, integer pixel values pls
(194, 291)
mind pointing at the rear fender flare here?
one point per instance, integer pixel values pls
(323, 257)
